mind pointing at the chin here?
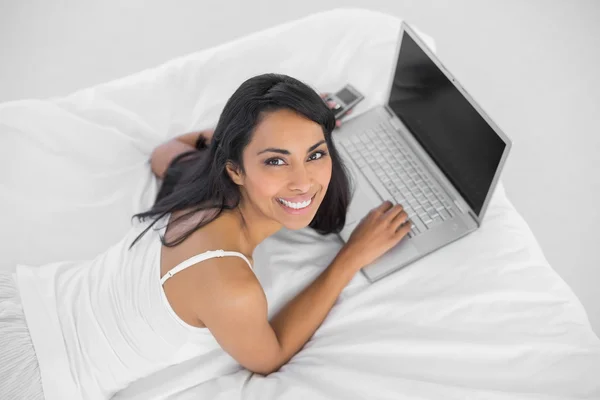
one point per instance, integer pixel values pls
(296, 226)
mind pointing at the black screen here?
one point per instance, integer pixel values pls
(452, 132)
(346, 96)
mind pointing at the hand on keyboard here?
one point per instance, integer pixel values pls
(380, 230)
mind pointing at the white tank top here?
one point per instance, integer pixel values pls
(99, 325)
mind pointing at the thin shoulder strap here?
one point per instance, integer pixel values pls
(202, 257)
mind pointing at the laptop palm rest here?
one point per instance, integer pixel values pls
(399, 256)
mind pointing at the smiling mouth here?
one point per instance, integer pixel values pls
(297, 206)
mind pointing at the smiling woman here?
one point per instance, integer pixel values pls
(289, 171)
(156, 299)
(286, 128)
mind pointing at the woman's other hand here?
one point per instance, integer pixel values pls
(331, 104)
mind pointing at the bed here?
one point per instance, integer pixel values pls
(495, 323)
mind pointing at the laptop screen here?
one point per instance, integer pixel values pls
(454, 134)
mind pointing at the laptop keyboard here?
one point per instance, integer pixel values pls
(381, 151)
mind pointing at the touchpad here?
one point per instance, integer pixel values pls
(397, 257)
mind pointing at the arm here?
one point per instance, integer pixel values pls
(234, 307)
(165, 153)
(296, 323)
(245, 332)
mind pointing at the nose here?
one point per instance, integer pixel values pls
(300, 179)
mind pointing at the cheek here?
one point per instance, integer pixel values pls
(323, 175)
(263, 185)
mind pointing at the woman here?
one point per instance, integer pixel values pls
(162, 296)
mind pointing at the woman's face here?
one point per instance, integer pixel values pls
(287, 169)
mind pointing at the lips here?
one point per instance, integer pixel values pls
(296, 207)
(298, 199)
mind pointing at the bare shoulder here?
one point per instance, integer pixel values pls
(215, 283)
(230, 282)
(227, 286)
(214, 236)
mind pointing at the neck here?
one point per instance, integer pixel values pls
(254, 226)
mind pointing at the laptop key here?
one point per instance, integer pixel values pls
(436, 221)
(418, 222)
(415, 229)
(445, 215)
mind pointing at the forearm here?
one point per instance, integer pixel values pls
(295, 324)
(191, 138)
(165, 154)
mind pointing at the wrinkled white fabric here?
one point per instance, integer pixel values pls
(99, 325)
(19, 369)
(483, 318)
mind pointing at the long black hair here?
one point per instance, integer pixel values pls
(198, 180)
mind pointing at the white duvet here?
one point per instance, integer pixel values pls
(483, 318)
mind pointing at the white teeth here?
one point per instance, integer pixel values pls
(296, 206)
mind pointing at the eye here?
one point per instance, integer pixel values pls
(274, 161)
(316, 155)
(277, 162)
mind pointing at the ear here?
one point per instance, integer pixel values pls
(235, 173)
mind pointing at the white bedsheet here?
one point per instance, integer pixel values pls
(483, 318)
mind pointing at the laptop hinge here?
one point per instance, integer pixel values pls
(472, 214)
(387, 108)
(395, 124)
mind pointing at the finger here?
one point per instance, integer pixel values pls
(338, 123)
(391, 213)
(384, 207)
(399, 219)
(331, 104)
(323, 95)
(344, 115)
(403, 230)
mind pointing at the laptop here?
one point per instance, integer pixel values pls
(430, 148)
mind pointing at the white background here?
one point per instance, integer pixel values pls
(532, 64)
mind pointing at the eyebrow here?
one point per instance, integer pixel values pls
(286, 152)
